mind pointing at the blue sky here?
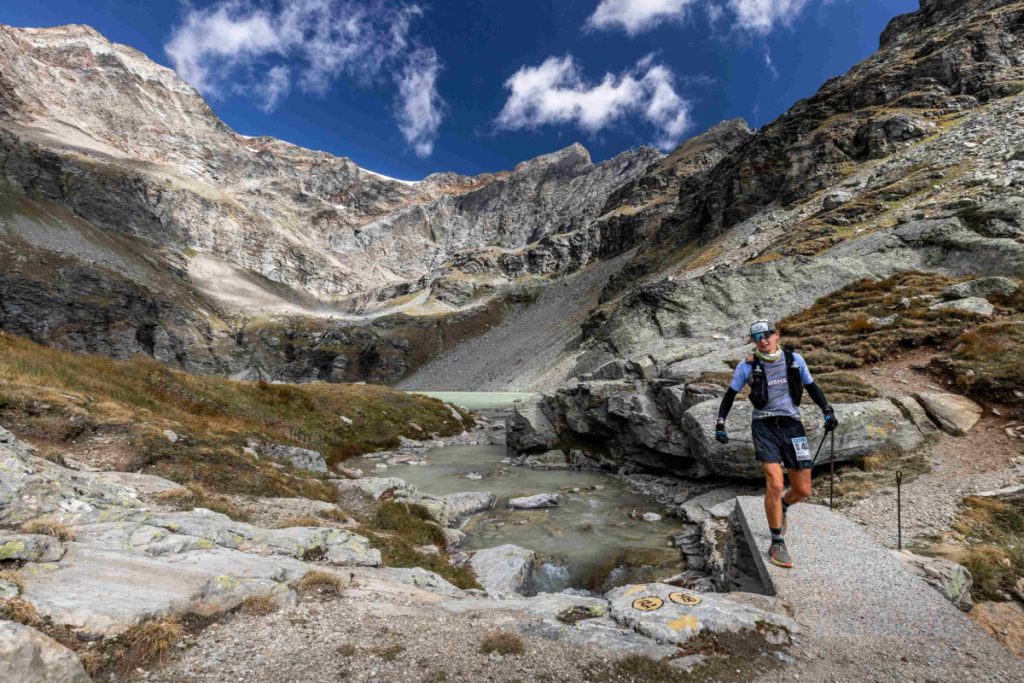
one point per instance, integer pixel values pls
(471, 86)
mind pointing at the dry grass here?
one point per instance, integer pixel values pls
(989, 541)
(397, 529)
(223, 412)
(319, 582)
(301, 520)
(855, 481)
(987, 361)
(202, 497)
(334, 515)
(388, 653)
(152, 641)
(19, 610)
(347, 649)
(259, 605)
(835, 332)
(49, 527)
(502, 642)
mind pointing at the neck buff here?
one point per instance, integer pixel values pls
(768, 357)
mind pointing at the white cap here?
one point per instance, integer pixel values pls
(761, 326)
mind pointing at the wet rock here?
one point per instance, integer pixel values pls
(954, 414)
(982, 287)
(302, 458)
(651, 517)
(505, 571)
(529, 430)
(952, 580)
(650, 610)
(973, 305)
(548, 460)
(29, 548)
(28, 656)
(540, 500)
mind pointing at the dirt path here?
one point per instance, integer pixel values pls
(985, 458)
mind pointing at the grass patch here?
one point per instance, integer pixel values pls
(334, 515)
(320, 583)
(302, 520)
(347, 650)
(986, 361)
(215, 410)
(990, 543)
(49, 527)
(502, 642)
(259, 605)
(148, 642)
(835, 333)
(855, 481)
(397, 529)
(388, 653)
(19, 610)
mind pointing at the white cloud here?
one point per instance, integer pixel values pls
(234, 45)
(770, 64)
(276, 87)
(636, 16)
(762, 16)
(556, 93)
(420, 108)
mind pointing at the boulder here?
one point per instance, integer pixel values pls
(528, 429)
(29, 548)
(682, 397)
(505, 571)
(540, 500)
(27, 656)
(302, 458)
(451, 510)
(376, 487)
(974, 305)
(864, 428)
(548, 460)
(711, 504)
(982, 287)
(952, 580)
(916, 414)
(954, 414)
(667, 614)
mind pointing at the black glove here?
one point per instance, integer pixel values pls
(830, 419)
(721, 435)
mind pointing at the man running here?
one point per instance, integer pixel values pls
(777, 378)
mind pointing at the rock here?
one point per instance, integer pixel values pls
(27, 656)
(6, 437)
(302, 458)
(528, 429)
(423, 578)
(651, 517)
(954, 414)
(453, 538)
(377, 487)
(952, 580)
(170, 436)
(452, 509)
(982, 287)
(669, 621)
(835, 199)
(142, 484)
(1009, 493)
(540, 500)
(974, 305)
(8, 590)
(505, 571)
(29, 548)
(708, 504)
(548, 460)
(916, 414)
(864, 428)
(887, 321)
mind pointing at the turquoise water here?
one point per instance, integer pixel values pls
(478, 400)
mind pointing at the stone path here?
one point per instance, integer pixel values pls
(861, 610)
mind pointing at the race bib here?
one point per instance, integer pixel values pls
(803, 451)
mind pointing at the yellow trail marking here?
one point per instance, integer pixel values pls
(687, 621)
(648, 604)
(633, 590)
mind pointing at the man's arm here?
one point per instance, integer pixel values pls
(739, 379)
(817, 395)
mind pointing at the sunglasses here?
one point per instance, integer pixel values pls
(758, 336)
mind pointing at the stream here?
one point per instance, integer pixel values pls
(596, 539)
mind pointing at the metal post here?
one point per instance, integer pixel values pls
(899, 509)
(832, 470)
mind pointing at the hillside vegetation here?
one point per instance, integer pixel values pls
(59, 398)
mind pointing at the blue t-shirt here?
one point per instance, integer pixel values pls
(779, 400)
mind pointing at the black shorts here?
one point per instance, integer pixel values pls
(774, 442)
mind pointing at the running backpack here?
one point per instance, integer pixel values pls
(759, 380)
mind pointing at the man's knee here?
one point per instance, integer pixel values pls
(799, 489)
(775, 486)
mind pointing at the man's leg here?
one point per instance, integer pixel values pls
(799, 486)
(774, 485)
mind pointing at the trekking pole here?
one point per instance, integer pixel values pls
(831, 469)
(899, 509)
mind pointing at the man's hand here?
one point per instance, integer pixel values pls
(721, 435)
(830, 419)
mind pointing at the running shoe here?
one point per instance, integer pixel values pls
(779, 556)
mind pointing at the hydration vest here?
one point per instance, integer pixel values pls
(759, 380)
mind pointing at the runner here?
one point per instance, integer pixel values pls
(777, 379)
